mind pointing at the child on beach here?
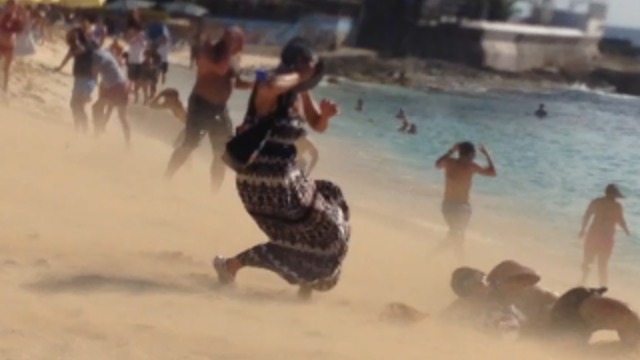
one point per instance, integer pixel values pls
(602, 216)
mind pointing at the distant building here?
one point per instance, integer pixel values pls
(591, 22)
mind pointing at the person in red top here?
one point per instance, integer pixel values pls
(12, 21)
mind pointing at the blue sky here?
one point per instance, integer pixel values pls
(621, 12)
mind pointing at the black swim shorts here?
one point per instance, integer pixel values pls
(213, 120)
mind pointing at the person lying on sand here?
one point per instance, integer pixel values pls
(13, 19)
(575, 315)
(112, 93)
(528, 309)
(459, 173)
(169, 99)
(602, 217)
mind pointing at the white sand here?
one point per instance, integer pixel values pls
(101, 259)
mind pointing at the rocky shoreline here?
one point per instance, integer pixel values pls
(613, 74)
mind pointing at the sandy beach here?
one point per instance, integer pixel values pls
(100, 258)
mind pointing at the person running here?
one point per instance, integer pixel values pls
(602, 216)
(305, 220)
(207, 108)
(113, 93)
(12, 22)
(459, 173)
(81, 48)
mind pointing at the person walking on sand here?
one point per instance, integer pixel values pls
(602, 216)
(112, 93)
(459, 173)
(81, 48)
(305, 220)
(207, 108)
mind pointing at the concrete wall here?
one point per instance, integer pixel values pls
(518, 48)
(507, 47)
(324, 32)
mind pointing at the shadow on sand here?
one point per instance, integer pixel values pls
(192, 284)
(99, 282)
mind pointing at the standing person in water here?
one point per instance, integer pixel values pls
(459, 173)
(305, 220)
(207, 111)
(13, 20)
(602, 217)
(360, 105)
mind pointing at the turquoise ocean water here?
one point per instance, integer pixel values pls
(548, 169)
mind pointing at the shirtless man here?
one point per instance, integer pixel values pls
(459, 174)
(207, 109)
(607, 213)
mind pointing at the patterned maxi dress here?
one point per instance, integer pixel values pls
(306, 221)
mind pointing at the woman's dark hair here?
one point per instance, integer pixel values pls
(297, 50)
(466, 148)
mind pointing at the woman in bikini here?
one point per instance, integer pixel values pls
(12, 21)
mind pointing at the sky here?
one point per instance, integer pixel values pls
(621, 12)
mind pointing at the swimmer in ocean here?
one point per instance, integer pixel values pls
(360, 105)
(541, 113)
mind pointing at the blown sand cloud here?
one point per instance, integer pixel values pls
(101, 259)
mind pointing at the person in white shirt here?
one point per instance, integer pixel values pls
(135, 59)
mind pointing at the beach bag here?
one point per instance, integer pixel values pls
(242, 149)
